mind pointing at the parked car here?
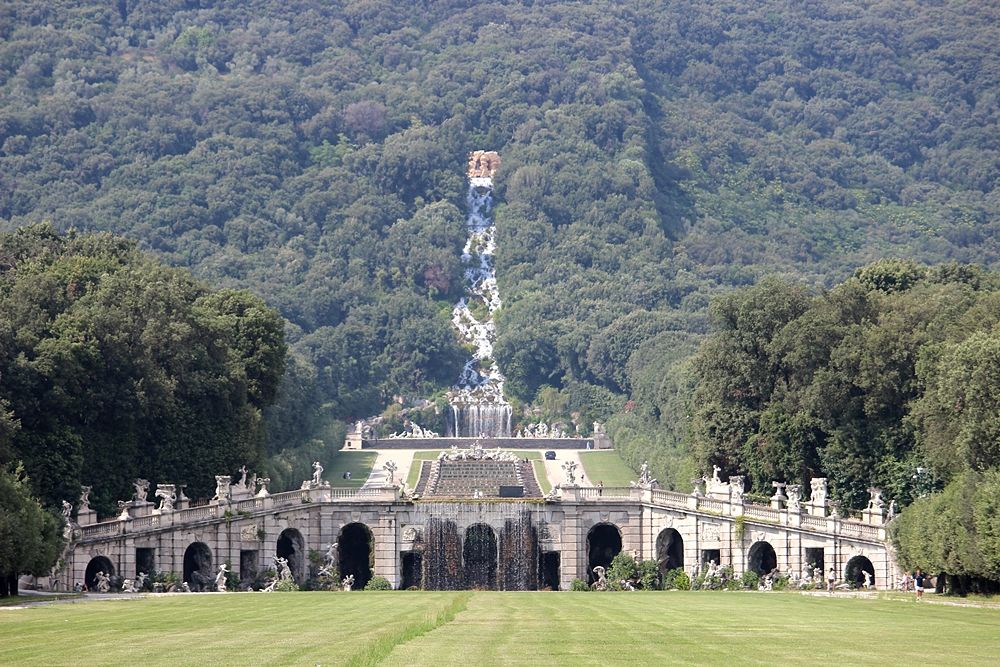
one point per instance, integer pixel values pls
(550, 455)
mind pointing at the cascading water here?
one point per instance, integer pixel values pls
(479, 408)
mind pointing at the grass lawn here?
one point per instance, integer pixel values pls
(359, 463)
(543, 478)
(606, 467)
(485, 629)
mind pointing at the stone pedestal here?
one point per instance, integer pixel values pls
(86, 516)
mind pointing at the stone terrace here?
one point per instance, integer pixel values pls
(461, 479)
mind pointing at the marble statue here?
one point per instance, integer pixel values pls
(67, 511)
(271, 585)
(262, 492)
(123, 514)
(330, 558)
(140, 580)
(736, 489)
(602, 582)
(868, 579)
(168, 495)
(128, 586)
(346, 583)
(875, 502)
(794, 497)
(243, 477)
(281, 567)
(85, 497)
(317, 478)
(892, 511)
(569, 467)
(141, 490)
(220, 578)
(222, 486)
(390, 467)
(646, 479)
(819, 491)
(103, 582)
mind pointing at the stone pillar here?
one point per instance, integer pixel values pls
(570, 550)
(387, 548)
(86, 516)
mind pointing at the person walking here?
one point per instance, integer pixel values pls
(831, 579)
(918, 583)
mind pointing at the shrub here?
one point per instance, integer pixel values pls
(649, 575)
(780, 583)
(378, 583)
(579, 585)
(286, 586)
(750, 580)
(682, 582)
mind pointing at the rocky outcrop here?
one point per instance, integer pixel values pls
(483, 164)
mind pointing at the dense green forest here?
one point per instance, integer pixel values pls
(113, 367)
(656, 156)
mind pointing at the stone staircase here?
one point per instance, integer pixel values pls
(462, 479)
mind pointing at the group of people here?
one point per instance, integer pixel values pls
(916, 582)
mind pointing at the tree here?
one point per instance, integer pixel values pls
(30, 537)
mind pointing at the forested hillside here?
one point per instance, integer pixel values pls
(656, 154)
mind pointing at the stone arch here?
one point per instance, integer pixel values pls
(855, 569)
(479, 557)
(761, 558)
(355, 545)
(292, 547)
(669, 550)
(198, 571)
(604, 542)
(97, 564)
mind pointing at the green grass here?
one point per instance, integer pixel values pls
(606, 467)
(414, 476)
(543, 478)
(486, 629)
(359, 463)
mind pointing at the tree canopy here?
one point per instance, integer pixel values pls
(117, 367)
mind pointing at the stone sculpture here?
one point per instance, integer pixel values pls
(103, 582)
(262, 482)
(390, 467)
(868, 579)
(141, 490)
(875, 502)
(736, 489)
(140, 580)
(317, 478)
(220, 578)
(347, 583)
(281, 567)
(483, 164)
(794, 498)
(67, 511)
(569, 467)
(167, 493)
(602, 582)
(222, 488)
(85, 498)
(128, 586)
(123, 514)
(819, 492)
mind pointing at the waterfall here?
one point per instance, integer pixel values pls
(478, 403)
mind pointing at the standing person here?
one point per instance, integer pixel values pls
(831, 579)
(918, 583)
(600, 487)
